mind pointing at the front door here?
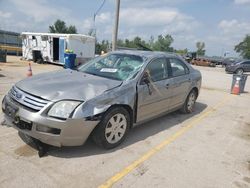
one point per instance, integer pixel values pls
(246, 66)
(154, 97)
(55, 49)
(61, 50)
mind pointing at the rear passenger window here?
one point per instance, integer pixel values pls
(178, 67)
(157, 69)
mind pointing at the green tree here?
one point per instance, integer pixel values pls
(72, 29)
(151, 41)
(137, 40)
(200, 48)
(181, 51)
(127, 43)
(60, 27)
(163, 43)
(120, 43)
(97, 48)
(104, 45)
(244, 47)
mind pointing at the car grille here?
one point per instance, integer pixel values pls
(27, 100)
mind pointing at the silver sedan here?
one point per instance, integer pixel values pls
(104, 98)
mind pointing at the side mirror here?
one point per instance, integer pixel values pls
(145, 78)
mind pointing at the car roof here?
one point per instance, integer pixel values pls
(245, 60)
(146, 54)
(242, 61)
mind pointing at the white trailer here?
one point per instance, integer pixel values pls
(52, 46)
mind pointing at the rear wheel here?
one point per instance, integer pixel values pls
(113, 128)
(239, 71)
(188, 106)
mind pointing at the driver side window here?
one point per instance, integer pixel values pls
(246, 63)
(157, 69)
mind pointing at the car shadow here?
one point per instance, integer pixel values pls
(138, 133)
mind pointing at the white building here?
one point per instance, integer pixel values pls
(51, 46)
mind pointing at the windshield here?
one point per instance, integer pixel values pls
(114, 66)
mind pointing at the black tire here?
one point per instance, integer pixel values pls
(186, 108)
(100, 136)
(239, 71)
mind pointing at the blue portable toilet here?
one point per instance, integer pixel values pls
(69, 60)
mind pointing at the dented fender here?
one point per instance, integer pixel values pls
(122, 95)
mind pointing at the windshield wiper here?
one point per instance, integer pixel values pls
(103, 76)
(91, 73)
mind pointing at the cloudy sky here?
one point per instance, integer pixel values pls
(219, 23)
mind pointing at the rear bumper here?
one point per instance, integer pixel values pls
(70, 132)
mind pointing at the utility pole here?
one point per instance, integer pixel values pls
(95, 14)
(115, 32)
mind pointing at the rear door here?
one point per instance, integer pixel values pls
(154, 98)
(246, 66)
(182, 81)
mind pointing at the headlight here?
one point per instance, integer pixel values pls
(63, 109)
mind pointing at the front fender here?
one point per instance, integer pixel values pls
(123, 95)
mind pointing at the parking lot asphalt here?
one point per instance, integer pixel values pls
(209, 148)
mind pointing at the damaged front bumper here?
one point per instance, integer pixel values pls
(52, 131)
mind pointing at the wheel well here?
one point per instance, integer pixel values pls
(239, 69)
(196, 91)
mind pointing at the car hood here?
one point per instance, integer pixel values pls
(67, 84)
(234, 64)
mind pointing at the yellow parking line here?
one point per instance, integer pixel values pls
(157, 148)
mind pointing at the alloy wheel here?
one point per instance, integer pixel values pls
(115, 128)
(240, 71)
(191, 101)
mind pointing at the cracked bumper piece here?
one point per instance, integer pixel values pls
(56, 132)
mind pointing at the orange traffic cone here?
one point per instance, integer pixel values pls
(236, 88)
(29, 73)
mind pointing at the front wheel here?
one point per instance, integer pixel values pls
(113, 128)
(239, 71)
(188, 106)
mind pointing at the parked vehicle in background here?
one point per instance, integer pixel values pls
(228, 61)
(238, 67)
(203, 62)
(104, 98)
